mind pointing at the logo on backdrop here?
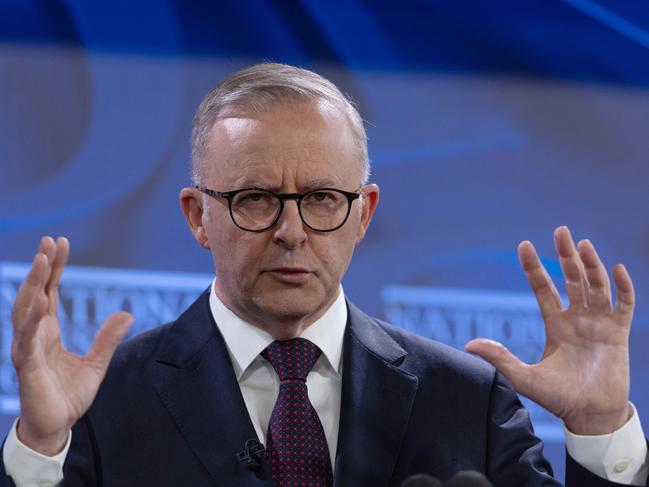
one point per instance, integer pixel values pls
(87, 297)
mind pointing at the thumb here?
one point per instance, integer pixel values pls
(507, 364)
(107, 339)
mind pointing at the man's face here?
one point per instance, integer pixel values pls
(288, 275)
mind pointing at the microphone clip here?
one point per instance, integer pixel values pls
(252, 454)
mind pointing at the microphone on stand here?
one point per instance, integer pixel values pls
(421, 480)
(469, 478)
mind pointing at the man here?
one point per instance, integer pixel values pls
(274, 353)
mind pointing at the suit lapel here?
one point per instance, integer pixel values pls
(375, 407)
(197, 385)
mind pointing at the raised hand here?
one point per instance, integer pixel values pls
(56, 386)
(583, 375)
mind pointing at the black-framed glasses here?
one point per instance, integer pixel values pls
(256, 209)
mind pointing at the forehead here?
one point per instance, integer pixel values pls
(291, 144)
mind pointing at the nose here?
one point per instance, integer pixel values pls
(289, 230)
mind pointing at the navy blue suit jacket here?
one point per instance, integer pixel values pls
(170, 413)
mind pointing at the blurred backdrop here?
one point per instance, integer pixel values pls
(489, 123)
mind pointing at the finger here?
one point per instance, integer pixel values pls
(516, 372)
(107, 339)
(32, 302)
(625, 294)
(25, 331)
(599, 286)
(576, 285)
(61, 253)
(30, 288)
(544, 289)
(48, 247)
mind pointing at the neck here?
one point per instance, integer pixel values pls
(280, 324)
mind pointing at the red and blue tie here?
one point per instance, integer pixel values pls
(296, 446)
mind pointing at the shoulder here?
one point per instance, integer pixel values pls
(438, 354)
(140, 348)
(134, 363)
(431, 362)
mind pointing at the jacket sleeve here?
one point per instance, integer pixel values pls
(83, 463)
(516, 454)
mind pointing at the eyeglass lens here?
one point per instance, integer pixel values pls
(258, 209)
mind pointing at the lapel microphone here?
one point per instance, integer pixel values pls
(252, 454)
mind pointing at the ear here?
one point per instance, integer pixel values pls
(192, 206)
(370, 199)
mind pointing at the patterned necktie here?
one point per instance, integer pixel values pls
(296, 446)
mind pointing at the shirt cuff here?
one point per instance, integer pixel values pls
(28, 468)
(620, 456)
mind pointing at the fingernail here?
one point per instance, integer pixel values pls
(560, 229)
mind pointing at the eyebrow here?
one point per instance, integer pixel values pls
(250, 183)
(309, 185)
(319, 183)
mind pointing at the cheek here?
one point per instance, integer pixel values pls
(235, 254)
(335, 253)
(241, 255)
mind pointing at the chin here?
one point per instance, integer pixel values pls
(289, 311)
(287, 307)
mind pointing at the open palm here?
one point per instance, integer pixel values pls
(583, 375)
(56, 386)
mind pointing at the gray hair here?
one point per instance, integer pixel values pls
(259, 87)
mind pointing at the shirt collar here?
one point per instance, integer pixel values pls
(245, 341)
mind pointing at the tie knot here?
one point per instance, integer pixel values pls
(292, 359)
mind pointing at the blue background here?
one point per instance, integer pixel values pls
(489, 123)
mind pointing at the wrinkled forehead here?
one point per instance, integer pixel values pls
(296, 144)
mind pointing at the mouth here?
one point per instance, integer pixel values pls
(290, 275)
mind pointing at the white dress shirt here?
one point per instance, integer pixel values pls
(258, 380)
(620, 456)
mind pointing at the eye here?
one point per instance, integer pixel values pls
(254, 197)
(321, 196)
(324, 199)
